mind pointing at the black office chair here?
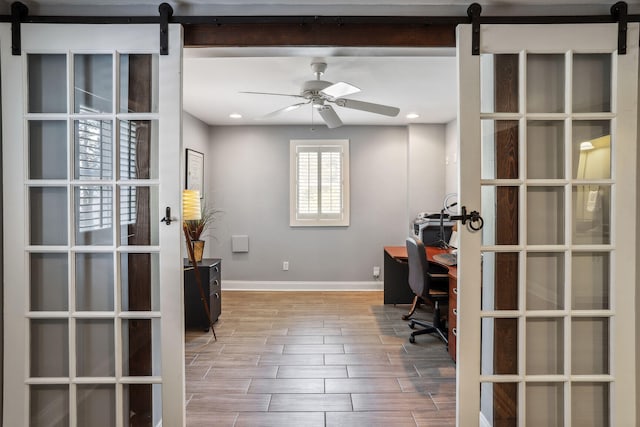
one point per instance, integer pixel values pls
(428, 286)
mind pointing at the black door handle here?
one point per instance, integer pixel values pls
(475, 220)
(167, 216)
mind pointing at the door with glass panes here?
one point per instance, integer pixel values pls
(546, 326)
(93, 325)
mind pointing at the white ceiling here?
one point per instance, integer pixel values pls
(411, 81)
(425, 85)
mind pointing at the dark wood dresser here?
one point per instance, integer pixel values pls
(210, 270)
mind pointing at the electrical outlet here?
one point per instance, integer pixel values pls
(376, 271)
(285, 266)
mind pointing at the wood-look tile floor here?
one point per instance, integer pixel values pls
(316, 359)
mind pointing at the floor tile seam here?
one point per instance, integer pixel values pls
(433, 400)
(207, 372)
(417, 370)
(193, 360)
(413, 415)
(269, 404)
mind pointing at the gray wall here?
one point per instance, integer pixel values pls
(195, 135)
(451, 157)
(249, 180)
(426, 176)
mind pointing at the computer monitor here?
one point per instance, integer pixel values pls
(431, 235)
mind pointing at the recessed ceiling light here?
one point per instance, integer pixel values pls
(235, 115)
(412, 116)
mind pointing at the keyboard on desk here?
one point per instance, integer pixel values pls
(446, 259)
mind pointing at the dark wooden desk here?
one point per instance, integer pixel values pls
(395, 265)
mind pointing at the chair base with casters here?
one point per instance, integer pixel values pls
(436, 327)
(428, 285)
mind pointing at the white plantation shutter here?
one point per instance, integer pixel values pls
(331, 188)
(319, 183)
(307, 183)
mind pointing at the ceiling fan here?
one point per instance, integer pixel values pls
(320, 94)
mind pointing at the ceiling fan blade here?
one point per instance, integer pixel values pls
(340, 89)
(385, 110)
(283, 110)
(330, 117)
(271, 93)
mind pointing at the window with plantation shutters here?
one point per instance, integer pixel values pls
(319, 183)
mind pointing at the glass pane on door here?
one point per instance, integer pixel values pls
(591, 71)
(48, 149)
(96, 405)
(545, 281)
(545, 404)
(49, 406)
(545, 149)
(545, 215)
(590, 404)
(551, 135)
(49, 348)
(590, 283)
(87, 281)
(546, 171)
(82, 133)
(545, 346)
(138, 83)
(47, 80)
(49, 277)
(48, 216)
(93, 83)
(545, 83)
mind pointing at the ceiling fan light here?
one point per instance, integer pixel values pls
(412, 116)
(340, 89)
(318, 103)
(235, 115)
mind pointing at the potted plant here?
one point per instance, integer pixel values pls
(197, 227)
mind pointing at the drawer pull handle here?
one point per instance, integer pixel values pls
(455, 291)
(454, 331)
(215, 283)
(216, 295)
(216, 269)
(455, 311)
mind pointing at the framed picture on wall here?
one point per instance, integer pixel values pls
(195, 171)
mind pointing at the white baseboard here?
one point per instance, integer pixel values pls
(249, 285)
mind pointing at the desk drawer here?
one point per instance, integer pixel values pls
(452, 320)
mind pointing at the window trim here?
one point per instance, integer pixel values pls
(318, 220)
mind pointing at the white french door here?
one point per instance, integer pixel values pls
(547, 139)
(91, 148)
